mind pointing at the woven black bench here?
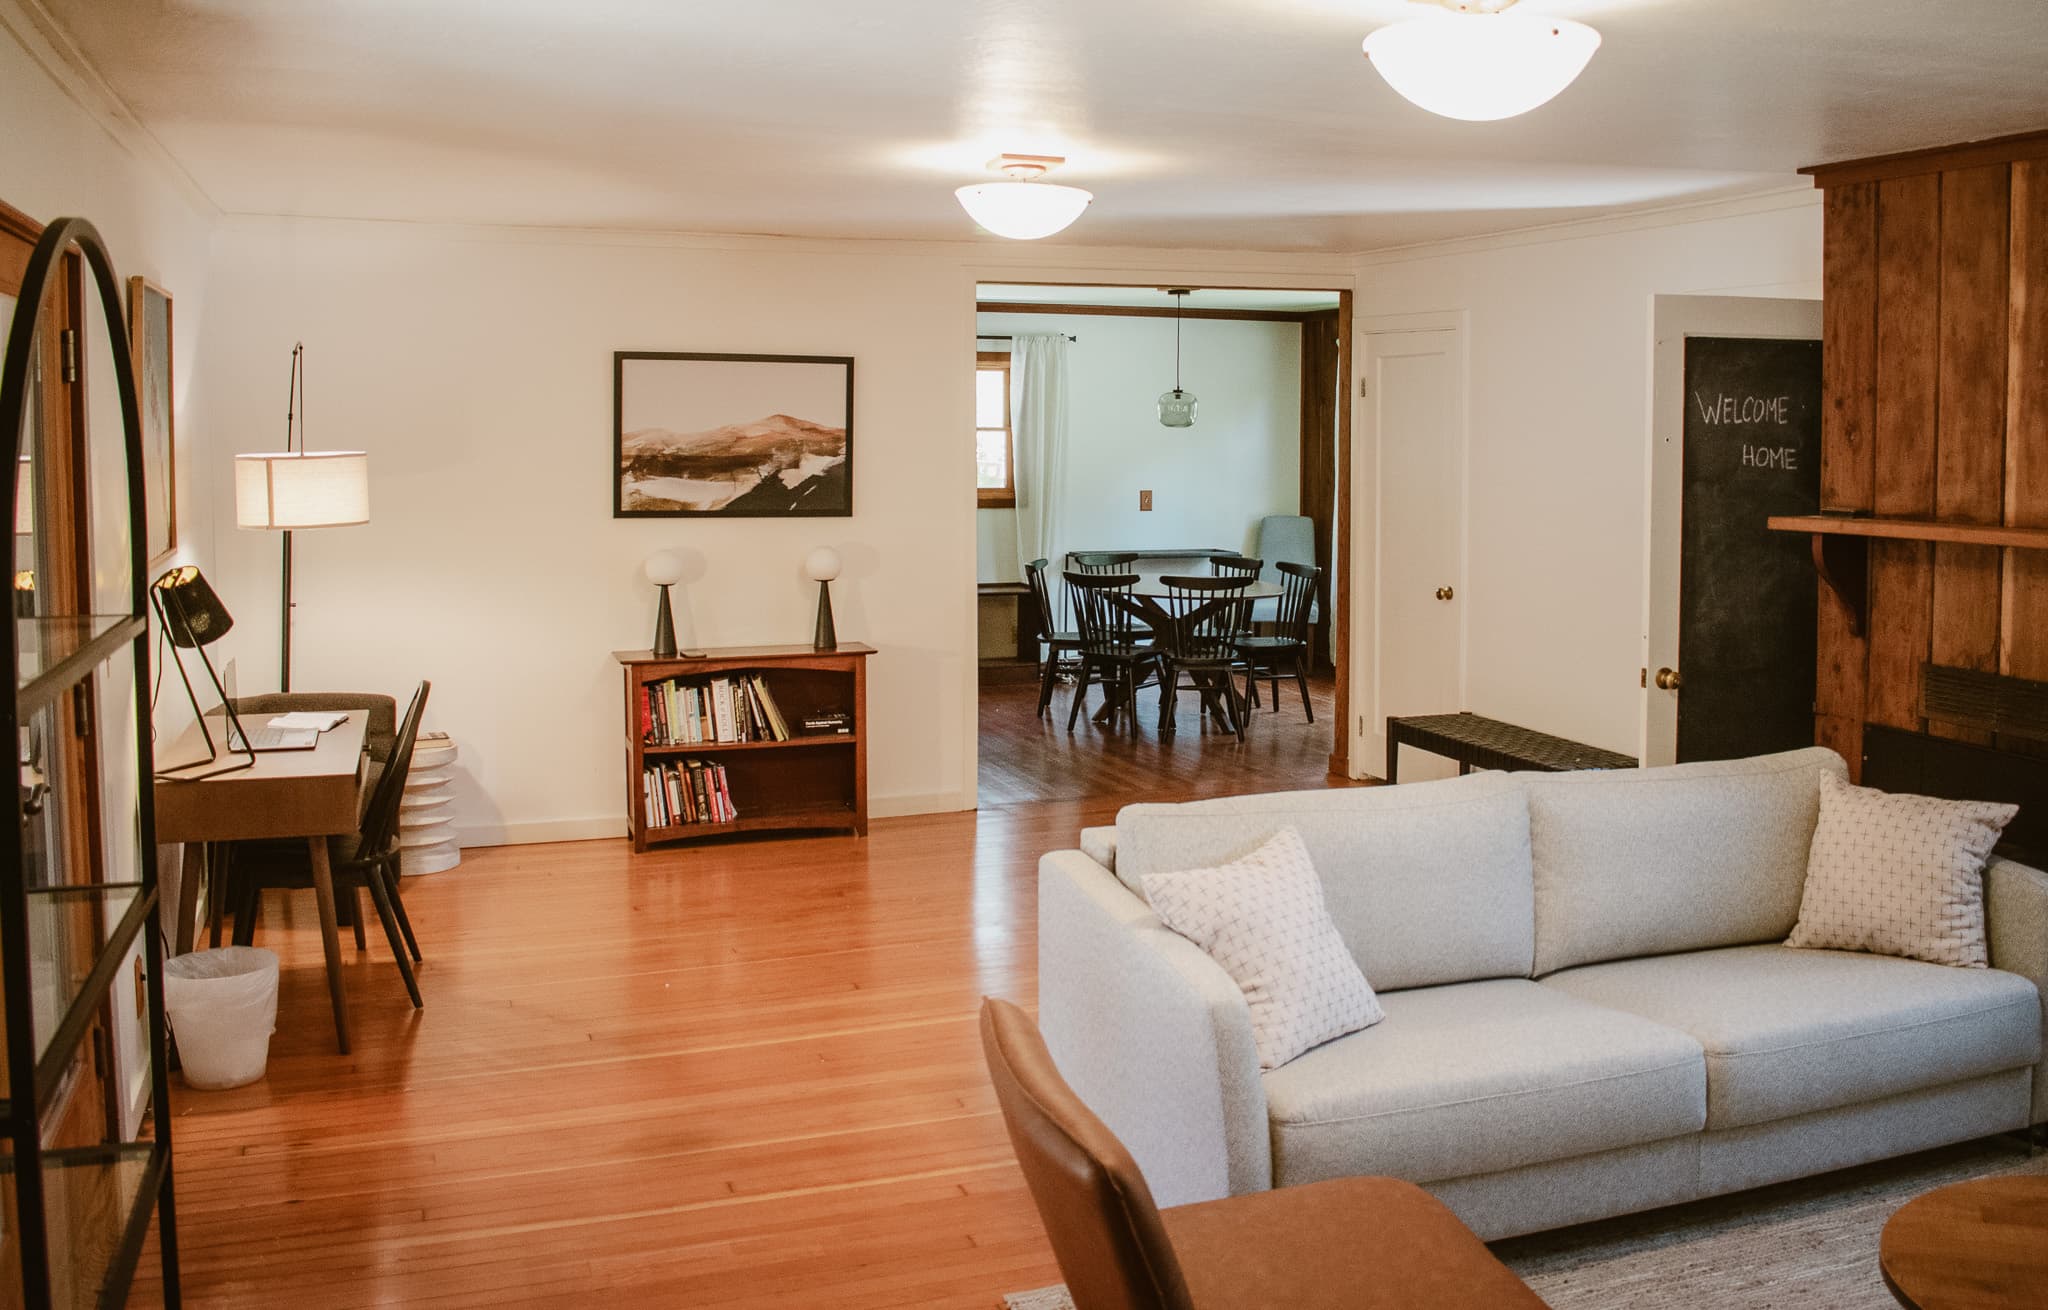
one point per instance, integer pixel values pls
(1477, 742)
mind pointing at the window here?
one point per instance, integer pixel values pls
(995, 478)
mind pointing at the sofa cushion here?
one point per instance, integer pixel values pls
(1633, 862)
(1262, 918)
(1899, 875)
(1477, 1077)
(1427, 882)
(1790, 1032)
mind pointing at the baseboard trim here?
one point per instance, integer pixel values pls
(538, 831)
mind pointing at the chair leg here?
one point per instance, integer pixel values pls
(247, 905)
(375, 878)
(1301, 681)
(1046, 679)
(1080, 691)
(219, 865)
(391, 875)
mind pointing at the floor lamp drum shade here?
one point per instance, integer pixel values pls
(302, 489)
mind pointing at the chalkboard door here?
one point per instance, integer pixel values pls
(1747, 595)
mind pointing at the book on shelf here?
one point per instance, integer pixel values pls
(726, 709)
(676, 793)
(827, 721)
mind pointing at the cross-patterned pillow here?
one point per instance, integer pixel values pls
(1263, 919)
(1898, 875)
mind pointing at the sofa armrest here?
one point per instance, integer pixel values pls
(2016, 918)
(1152, 1034)
(1099, 845)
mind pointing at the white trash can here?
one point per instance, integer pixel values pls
(223, 1008)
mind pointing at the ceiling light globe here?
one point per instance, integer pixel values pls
(1023, 211)
(1481, 66)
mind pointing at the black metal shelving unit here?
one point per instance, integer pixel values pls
(81, 1215)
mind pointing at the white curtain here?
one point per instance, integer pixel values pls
(1038, 430)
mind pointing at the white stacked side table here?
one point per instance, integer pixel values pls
(426, 838)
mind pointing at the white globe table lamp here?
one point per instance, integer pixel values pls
(664, 569)
(821, 566)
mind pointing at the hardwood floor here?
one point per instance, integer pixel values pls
(1027, 758)
(738, 1076)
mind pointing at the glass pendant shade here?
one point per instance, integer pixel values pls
(1177, 408)
(1023, 211)
(1481, 66)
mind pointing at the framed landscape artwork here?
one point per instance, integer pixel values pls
(149, 337)
(740, 436)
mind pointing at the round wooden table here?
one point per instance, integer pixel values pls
(1980, 1245)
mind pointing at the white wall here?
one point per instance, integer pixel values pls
(1559, 403)
(1211, 483)
(475, 367)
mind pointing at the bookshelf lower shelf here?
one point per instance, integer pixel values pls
(808, 783)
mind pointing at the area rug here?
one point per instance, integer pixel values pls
(1804, 1245)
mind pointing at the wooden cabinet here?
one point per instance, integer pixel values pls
(813, 781)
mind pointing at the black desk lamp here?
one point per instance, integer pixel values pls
(193, 618)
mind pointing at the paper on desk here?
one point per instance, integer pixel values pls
(300, 720)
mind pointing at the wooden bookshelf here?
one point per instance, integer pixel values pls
(809, 783)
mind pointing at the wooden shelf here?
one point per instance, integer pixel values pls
(713, 747)
(817, 782)
(1957, 534)
(1841, 549)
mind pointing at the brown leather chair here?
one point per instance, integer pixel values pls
(1359, 1243)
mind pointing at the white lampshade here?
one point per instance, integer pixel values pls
(1023, 211)
(822, 564)
(664, 568)
(1481, 66)
(302, 489)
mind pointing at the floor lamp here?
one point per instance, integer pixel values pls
(283, 491)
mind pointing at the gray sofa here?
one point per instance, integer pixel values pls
(1589, 1008)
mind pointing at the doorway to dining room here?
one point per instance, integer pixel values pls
(1153, 436)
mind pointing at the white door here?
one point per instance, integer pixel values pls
(1674, 318)
(1415, 413)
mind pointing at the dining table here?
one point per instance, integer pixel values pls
(1146, 601)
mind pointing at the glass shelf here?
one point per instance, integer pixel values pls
(96, 1203)
(53, 655)
(78, 939)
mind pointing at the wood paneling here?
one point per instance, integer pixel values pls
(1969, 482)
(1902, 572)
(1936, 315)
(1848, 426)
(2024, 652)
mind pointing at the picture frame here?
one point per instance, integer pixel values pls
(699, 435)
(149, 344)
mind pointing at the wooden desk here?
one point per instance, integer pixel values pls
(311, 794)
(1477, 742)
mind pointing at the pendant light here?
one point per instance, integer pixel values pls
(1177, 407)
(1481, 60)
(1023, 208)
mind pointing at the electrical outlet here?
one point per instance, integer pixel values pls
(1144, 501)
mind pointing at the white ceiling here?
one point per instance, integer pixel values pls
(1293, 302)
(1221, 123)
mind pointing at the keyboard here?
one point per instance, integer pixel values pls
(267, 738)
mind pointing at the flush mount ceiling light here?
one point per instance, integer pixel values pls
(1482, 59)
(1023, 208)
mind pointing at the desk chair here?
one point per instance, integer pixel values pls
(1355, 1243)
(367, 858)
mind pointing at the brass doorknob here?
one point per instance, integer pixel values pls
(1668, 680)
(1444, 593)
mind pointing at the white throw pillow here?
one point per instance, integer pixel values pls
(1263, 919)
(1898, 875)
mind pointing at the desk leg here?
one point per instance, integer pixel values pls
(191, 878)
(1393, 753)
(330, 936)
